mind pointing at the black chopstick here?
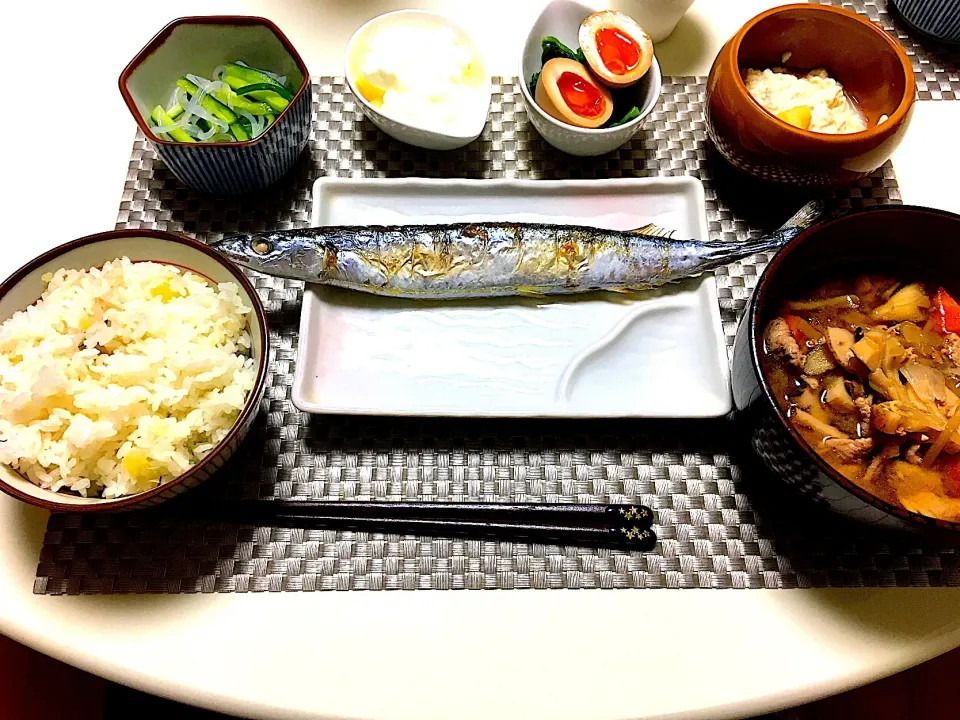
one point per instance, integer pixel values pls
(626, 526)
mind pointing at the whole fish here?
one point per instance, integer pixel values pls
(489, 259)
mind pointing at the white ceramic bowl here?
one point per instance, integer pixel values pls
(562, 19)
(25, 286)
(475, 114)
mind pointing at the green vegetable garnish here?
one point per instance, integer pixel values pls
(552, 48)
(161, 119)
(533, 84)
(272, 97)
(632, 114)
(241, 130)
(236, 101)
(234, 74)
(208, 102)
(272, 87)
(219, 110)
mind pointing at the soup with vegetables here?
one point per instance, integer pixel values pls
(868, 372)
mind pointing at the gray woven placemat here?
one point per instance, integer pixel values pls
(722, 521)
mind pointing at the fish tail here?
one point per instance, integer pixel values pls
(805, 216)
(798, 222)
(769, 243)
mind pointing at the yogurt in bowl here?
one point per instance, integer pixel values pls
(419, 78)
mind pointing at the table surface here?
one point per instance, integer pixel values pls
(420, 654)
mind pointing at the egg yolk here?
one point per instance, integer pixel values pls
(617, 50)
(580, 95)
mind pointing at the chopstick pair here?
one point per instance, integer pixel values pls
(624, 526)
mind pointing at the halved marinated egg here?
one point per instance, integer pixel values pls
(567, 91)
(617, 49)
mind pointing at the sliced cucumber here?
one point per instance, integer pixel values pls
(208, 102)
(239, 131)
(251, 75)
(274, 94)
(278, 89)
(160, 117)
(235, 101)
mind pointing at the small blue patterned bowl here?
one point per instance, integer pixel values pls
(940, 19)
(198, 45)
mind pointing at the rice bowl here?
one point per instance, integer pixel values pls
(132, 365)
(120, 377)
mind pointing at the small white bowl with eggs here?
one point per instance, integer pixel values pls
(419, 78)
(562, 19)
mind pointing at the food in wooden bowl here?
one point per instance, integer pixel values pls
(808, 100)
(809, 95)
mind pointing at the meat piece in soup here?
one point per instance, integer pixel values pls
(868, 372)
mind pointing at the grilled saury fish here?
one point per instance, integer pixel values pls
(487, 259)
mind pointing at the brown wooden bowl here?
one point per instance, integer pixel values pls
(872, 67)
(25, 286)
(883, 239)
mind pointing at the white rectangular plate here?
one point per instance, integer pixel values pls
(657, 354)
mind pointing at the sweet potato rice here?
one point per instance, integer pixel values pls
(121, 378)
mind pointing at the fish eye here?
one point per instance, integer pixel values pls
(260, 246)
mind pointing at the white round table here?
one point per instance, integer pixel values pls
(417, 654)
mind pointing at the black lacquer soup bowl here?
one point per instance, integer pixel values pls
(903, 241)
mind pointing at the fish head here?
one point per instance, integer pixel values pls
(278, 253)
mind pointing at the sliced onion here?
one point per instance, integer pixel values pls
(207, 87)
(197, 80)
(166, 128)
(208, 133)
(193, 106)
(211, 88)
(282, 79)
(193, 130)
(218, 72)
(218, 86)
(279, 78)
(202, 85)
(256, 124)
(180, 122)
